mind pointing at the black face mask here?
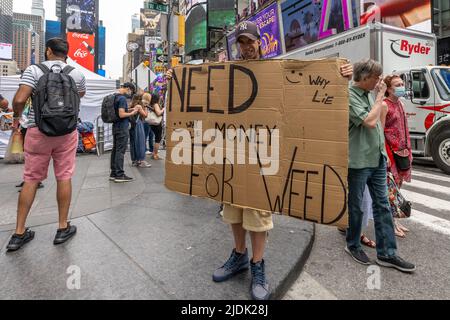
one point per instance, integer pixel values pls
(128, 96)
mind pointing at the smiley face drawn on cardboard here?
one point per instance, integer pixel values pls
(294, 77)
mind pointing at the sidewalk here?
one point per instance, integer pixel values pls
(134, 241)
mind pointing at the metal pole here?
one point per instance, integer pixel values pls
(169, 43)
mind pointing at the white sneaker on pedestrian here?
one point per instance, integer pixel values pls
(144, 164)
(149, 153)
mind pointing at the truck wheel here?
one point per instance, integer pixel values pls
(440, 151)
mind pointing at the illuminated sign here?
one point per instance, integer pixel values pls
(81, 49)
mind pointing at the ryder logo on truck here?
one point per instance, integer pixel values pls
(405, 49)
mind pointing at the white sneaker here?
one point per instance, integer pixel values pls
(149, 153)
(144, 164)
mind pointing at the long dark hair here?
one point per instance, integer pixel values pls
(155, 99)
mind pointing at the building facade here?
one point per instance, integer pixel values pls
(441, 24)
(58, 9)
(8, 68)
(26, 49)
(6, 19)
(37, 25)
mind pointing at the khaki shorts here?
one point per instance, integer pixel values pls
(251, 220)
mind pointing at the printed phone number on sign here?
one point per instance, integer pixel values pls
(350, 39)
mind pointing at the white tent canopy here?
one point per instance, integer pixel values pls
(97, 88)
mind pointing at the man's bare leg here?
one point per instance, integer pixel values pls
(239, 234)
(26, 199)
(258, 245)
(64, 197)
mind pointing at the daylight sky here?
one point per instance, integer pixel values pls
(116, 18)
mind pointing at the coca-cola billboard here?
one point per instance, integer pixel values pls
(81, 49)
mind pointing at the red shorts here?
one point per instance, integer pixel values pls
(39, 149)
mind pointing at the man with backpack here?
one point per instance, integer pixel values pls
(115, 110)
(56, 89)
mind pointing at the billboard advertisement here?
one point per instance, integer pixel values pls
(443, 55)
(190, 3)
(307, 21)
(81, 49)
(101, 45)
(81, 15)
(196, 29)
(6, 50)
(150, 19)
(267, 21)
(246, 8)
(52, 29)
(221, 13)
(152, 43)
(411, 14)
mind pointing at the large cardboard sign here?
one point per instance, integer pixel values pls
(269, 135)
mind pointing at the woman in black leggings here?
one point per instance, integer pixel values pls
(157, 129)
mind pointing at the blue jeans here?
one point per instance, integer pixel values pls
(149, 135)
(376, 180)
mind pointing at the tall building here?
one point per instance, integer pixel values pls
(27, 41)
(6, 21)
(58, 9)
(36, 24)
(37, 8)
(135, 22)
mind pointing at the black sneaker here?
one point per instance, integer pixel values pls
(234, 265)
(397, 263)
(62, 235)
(112, 178)
(123, 179)
(18, 241)
(358, 255)
(260, 289)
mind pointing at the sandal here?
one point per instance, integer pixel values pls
(367, 242)
(156, 157)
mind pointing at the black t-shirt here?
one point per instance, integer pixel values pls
(121, 103)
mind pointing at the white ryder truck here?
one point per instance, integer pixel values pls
(412, 55)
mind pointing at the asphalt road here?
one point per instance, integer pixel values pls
(331, 274)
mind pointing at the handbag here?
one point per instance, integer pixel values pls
(153, 119)
(401, 157)
(402, 162)
(400, 207)
(14, 152)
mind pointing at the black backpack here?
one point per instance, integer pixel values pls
(56, 101)
(109, 114)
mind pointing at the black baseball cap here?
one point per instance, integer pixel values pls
(247, 29)
(130, 86)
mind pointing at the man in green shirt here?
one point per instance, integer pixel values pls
(367, 165)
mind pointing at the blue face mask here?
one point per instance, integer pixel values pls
(400, 92)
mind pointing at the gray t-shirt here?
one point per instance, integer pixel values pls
(32, 75)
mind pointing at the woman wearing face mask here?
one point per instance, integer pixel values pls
(396, 133)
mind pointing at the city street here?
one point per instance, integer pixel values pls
(331, 274)
(111, 216)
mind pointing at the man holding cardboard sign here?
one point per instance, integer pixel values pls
(245, 102)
